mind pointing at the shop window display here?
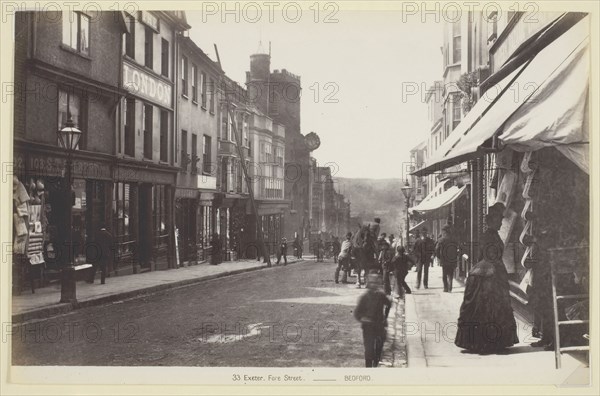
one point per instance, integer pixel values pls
(159, 210)
(121, 207)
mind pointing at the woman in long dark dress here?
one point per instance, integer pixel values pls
(486, 323)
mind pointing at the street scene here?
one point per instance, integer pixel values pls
(317, 186)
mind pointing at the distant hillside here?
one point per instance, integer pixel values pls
(375, 198)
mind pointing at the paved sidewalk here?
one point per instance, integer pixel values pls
(431, 317)
(45, 302)
(395, 348)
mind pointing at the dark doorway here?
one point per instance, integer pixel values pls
(146, 226)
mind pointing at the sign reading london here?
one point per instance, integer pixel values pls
(147, 86)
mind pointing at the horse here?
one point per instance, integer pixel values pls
(363, 250)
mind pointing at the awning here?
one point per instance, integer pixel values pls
(510, 95)
(445, 198)
(437, 190)
(444, 156)
(417, 226)
(557, 113)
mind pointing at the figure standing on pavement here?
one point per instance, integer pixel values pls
(372, 311)
(282, 251)
(540, 295)
(105, 242)
(423, 250)
(384, 258)
(320, 250)
(298, 247)
(446, 250)
(400, 266)
(343, 259)
(336, 248)
(486, 323)
(216, 249)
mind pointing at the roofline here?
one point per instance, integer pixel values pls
(196, 50)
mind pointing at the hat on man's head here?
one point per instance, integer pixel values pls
(377, 220)
(498, 207)
(446, 228)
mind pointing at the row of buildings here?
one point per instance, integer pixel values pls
(509, 124)
(166, 137)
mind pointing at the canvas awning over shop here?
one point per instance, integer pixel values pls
(447, 154)
(417, 226)
(445, 198)
(526, 89)
(557, 113)
(437, 190)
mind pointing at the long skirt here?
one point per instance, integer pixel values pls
(486, 323)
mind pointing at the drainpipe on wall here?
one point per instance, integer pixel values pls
(473, 234)
(174, 146)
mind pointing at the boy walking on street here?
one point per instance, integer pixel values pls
(372, 312)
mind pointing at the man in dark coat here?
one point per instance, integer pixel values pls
(282, 252)
(104, 242)
(384, 256)
(336, 249)
(319, 249)
(216, 249)
(423, 250)
(446, 250)
(298, 247)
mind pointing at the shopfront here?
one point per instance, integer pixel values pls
(143, 217)
(528, 151)
(40, 211)
(272, 228)
(206, 216)
(186, 221)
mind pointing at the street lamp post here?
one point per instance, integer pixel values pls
(69, 137)
(407, 192)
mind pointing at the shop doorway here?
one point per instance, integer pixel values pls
(186, 221)
(95, 214)
(146, 226)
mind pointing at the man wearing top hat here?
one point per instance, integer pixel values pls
(423, 250)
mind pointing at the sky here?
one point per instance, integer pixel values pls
(355, 71)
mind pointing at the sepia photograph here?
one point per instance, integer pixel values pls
(299, 193)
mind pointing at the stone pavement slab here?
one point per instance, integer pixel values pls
(431, 317)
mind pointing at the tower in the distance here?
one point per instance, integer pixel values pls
(277, 94)
(257, 79)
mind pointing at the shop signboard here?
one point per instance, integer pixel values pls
(125, 173)
(45, 164)
(147, 86)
